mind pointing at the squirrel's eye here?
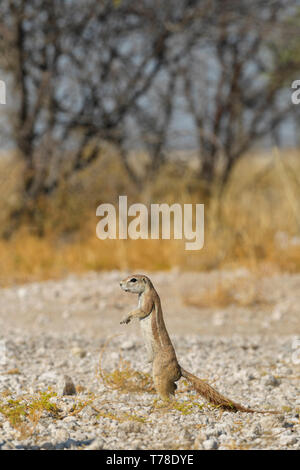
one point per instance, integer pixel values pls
(133, 279)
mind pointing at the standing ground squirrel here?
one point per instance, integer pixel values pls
(166, 370)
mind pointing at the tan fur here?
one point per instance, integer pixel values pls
(166, 370)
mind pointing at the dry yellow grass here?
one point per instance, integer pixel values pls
(256, 223)
(124, 378)
(243, 292)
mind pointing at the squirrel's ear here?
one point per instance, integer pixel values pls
(144, 279)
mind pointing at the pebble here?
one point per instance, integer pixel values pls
(97, 444)
(271, 381)
(76, 351)
(210, 444)
(69, 387)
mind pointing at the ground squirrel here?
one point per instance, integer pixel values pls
(166, 369)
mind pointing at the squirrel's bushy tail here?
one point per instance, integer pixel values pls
(214, 397)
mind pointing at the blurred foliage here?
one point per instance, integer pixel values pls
(256, 223)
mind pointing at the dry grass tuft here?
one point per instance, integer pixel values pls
(238, 291)
(24, 413)
(124, 378)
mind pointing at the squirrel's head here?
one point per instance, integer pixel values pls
(136, 284)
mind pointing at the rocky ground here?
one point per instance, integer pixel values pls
(248, 349)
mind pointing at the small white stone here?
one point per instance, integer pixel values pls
(61, 435)
(77, 351)
(210, 444)
(49, 377)
(288, 440)
(271, 381)
(22, 292)
(97, 444)
(127, 345)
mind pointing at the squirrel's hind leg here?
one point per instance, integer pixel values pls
(165, 388)
(165, 373)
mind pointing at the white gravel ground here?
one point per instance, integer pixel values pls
(54, 329)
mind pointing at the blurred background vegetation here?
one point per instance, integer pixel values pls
(171, 101)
